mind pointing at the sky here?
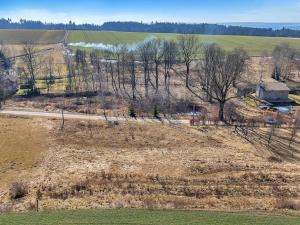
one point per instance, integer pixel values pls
(190, 11)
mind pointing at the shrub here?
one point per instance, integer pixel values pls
(18, 190)
(31, 206)
(150, 203)
(5, 208)
(156, 112)
(119, 205)
(106, 104)
(131, 112)
(275, 159)
(288, 204)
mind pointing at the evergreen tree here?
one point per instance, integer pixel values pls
(131, 111)
(156, 112)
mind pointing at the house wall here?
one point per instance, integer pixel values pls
(274, 95)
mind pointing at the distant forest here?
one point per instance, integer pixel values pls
(203, 28)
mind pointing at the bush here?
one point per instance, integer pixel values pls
(106, 104)
(131, 112)
(18, 190)
(275, 159)
(5, 208)
(156, 112)
(119, 205)
(288, 204)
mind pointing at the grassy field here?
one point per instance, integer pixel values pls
(254, 45)
(58, 87)
(17, 153)
(143, 166)
(146, 217)
(32, 36)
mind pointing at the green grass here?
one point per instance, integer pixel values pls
(251, 102)
(58, 87)
(146, 217)
(254, 45)
(295, 98)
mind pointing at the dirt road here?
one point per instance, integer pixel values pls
(67, 115)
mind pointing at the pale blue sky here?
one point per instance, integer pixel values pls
(99, 11)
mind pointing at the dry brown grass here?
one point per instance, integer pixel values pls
(21, 143)
(91, 165)
(288, 204)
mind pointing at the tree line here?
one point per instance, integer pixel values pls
(38, 25)
(157, 27)
(202, 28)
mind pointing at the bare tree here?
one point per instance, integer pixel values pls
(170, 52)
(31, 66)
(4, 66)
(283, 58)
(113, 80)
(124, 54)
(107, 60)
(95, 61)
(227, 71)
(5, 63)
(71, 75)
(117, 53)
(189, 47)
(295, 129)
(145, 55)
(132, 71)
(49, 72)
(157, 56)
(212, 57)
(82, 67)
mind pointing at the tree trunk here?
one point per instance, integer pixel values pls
(156, 78)
(63, 119)
(221, 111)
(119, 79)
(146, 81)
(187, 75)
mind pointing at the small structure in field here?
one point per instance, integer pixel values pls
(273, 91)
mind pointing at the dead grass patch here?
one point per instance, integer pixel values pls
(288, 204)
(22, 141)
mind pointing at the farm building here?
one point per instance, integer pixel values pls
(273, 91)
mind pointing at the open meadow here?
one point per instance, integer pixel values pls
(145, 165)
(254, 45)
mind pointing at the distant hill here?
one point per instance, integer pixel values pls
(202, 28)
(275, 26)
(181, 28)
